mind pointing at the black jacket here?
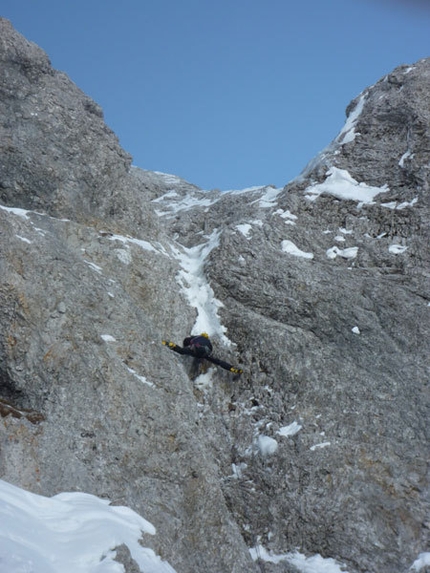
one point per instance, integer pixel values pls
(198, 346)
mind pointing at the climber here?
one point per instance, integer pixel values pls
(200, 347)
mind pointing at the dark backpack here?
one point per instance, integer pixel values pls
(199, 345)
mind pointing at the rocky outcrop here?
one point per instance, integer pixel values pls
(319, 290)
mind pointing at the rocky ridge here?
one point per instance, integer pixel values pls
(319, 289)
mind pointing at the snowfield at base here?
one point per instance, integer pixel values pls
(70, 533)
(78, 533)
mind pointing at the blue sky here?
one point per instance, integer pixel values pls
(227, 94)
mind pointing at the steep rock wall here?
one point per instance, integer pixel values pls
(319, 290)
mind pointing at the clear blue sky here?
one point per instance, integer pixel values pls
(225, 93)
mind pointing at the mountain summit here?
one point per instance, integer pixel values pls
(317, 455)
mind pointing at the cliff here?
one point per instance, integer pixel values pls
(318, 290)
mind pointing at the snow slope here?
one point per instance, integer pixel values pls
(69, 533)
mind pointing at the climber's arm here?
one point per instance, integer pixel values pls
(177, 348)
(224, 365)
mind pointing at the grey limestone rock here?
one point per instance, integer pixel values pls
(319, 290)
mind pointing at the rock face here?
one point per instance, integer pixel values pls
(319, 290)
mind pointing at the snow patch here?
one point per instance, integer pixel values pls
(237, 470)
(246, 190)
(320, 446)
(290, 248)
(189, 201)
(390, 205)
(139, 242)
(422, 561)
(139, 377)
(169, 178)
(266, 445)
(340, 184)
(269, 199)
(404, 157)
(314, 564)
(96, 268)
(71, 533)
(290, 430)
(204, 381)
(15, 211)
(397, 249)
(168, 195)
(405, 204)
(197, 289)
(108, 338)
(286, 214)
(349, 253)
(24, 239)
(124, 256)
(244, 229)
(399, 206)
(348, 133)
